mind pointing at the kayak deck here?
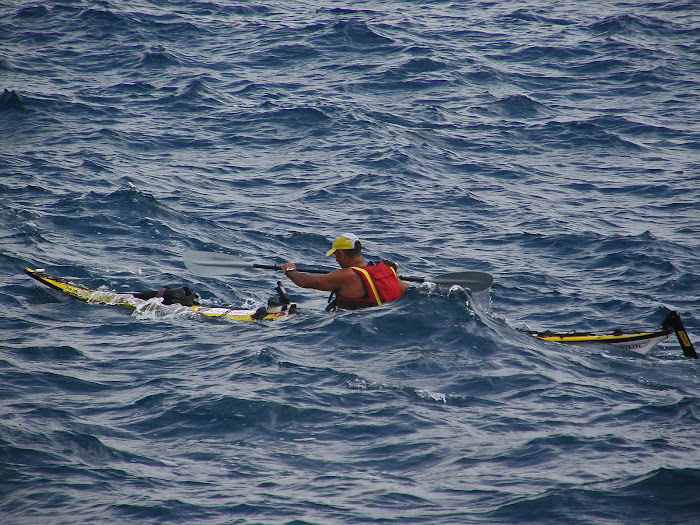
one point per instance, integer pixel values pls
(132, 302)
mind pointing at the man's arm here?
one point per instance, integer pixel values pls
(327, 282)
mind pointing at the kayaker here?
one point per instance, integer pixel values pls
(357, 284)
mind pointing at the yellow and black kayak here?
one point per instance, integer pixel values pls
(277, 308)
(641, 342)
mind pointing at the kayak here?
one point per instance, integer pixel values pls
(641, 342)
(277, 308)
(280, 307)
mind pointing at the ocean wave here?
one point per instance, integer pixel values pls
(640, 500)
(349, 35)
(628, 24)
(10, 100)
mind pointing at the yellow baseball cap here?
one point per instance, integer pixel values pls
(345, 241)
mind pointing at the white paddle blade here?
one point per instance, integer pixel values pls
(476, 282)
(209, 264)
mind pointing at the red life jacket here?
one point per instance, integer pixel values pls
(381, 285)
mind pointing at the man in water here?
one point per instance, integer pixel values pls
(356, 284)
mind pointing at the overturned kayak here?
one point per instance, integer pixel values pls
(277, 308)
(641, 342)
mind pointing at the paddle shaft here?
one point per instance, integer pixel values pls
(279, 268)
(475, 281)
(316, 270)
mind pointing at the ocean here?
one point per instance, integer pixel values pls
(554, 145)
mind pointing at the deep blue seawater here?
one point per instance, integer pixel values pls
(555, 145)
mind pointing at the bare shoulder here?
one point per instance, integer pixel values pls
(341, 276)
